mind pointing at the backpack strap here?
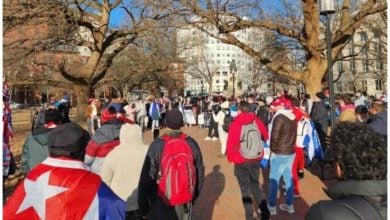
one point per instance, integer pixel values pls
(361, 207)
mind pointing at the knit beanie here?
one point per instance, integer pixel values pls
(174, 119)
(108, 114)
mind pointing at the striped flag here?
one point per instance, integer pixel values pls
(266, 155)
(7, 129)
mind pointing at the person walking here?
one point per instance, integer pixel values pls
(91, 112)
(62, 187)
(104, 140)
(220, 119)
(35, 149)
(247, 170)
(154, 114)
(116, 167)
(172, 174)
(283, 133)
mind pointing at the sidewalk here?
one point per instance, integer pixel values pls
(221, 198)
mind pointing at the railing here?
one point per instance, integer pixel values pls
(22, 118)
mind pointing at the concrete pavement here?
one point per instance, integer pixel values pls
(221, 198)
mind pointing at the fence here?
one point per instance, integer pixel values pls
(22, 119)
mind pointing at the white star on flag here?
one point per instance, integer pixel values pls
(37, 192)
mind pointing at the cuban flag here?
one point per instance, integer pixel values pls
(61, 188)
(314, 148)
(266, 155)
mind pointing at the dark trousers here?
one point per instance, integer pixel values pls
(213, 128)
(248, 179)
(159, 210)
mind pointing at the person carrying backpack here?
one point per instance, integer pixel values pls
(172, 174)
(245, 141)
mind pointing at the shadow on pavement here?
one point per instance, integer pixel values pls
(213, 186)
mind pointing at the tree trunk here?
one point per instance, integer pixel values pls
(82, 94)
(313, 84)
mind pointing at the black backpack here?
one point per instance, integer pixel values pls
(227, 120)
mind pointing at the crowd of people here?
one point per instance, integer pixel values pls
(126, 179)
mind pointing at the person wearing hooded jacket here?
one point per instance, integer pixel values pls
(116, 168)
(361, 192)
(283, 134)
(104, 140)
(247, 170)
(35, 149)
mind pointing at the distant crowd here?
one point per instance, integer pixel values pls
(107, 172)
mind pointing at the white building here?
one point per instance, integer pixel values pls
(363, 66)
(208, 58)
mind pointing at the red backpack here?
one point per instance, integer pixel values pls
(177, 183)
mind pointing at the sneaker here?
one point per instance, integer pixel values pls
(214, 139)
(263, 211)
(296, 195)
(207, 138)
(287, 208)
(272, 210)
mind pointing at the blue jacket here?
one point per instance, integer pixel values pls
(378, 123)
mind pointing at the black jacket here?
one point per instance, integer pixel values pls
(147, 189)
(372, 191)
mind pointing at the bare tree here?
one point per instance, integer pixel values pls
(198, 65)
(94, 16)
(299, 27)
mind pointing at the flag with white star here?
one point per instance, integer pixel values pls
(61, 188)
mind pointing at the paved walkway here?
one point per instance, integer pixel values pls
(221, 197)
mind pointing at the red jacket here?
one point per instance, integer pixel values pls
(233, 141)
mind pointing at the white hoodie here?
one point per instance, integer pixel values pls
(122, 167)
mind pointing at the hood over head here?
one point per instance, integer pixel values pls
(130, 134)
(245, 118)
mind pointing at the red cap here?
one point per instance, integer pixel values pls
(282, 101)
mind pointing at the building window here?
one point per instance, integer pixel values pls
(338, 87)
(364, 85)
(217, 81)
(363, 36)
(365, 64)
(217, 54)
(378, 84)
(224, 73)
(379, 65)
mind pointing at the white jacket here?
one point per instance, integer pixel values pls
(122, 167)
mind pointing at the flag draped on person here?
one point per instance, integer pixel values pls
(62, 188)
(7, 129)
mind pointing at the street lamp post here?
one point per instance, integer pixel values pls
(201, 87)
(327, 8)
(233, 70)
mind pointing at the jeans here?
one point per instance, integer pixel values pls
(248, 179)
(281, 165)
